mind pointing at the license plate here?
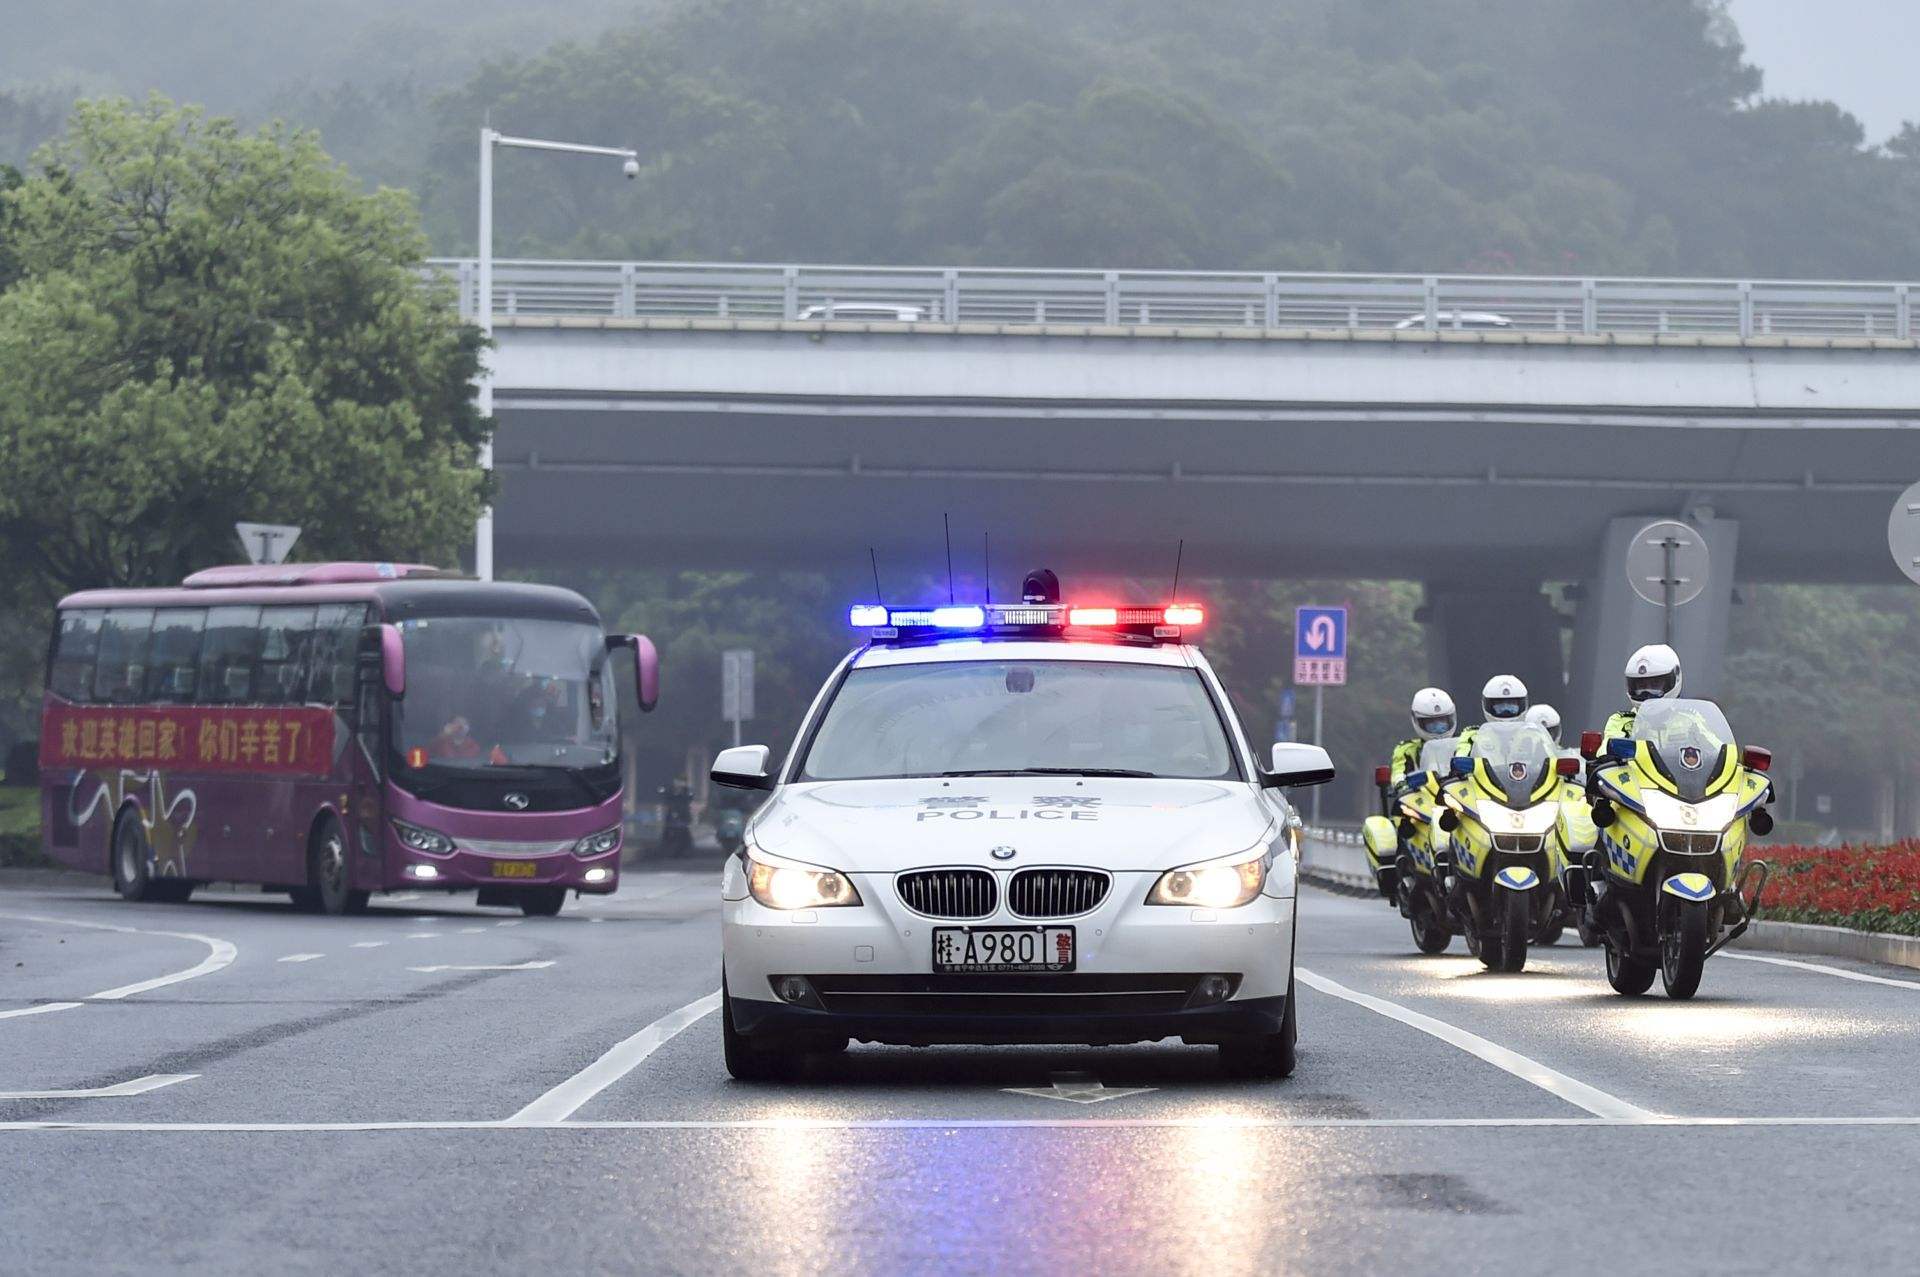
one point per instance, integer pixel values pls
(515, 869)
(974, 950)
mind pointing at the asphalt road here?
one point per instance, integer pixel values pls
(438, 1088)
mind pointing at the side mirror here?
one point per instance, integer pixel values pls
(1296, 766)
(1620, 749)
(1603, 813)
(1460, 765)
(393, 661)
(1449, 820)
(1756, 759)
(1567, 766)
(1589, 745)
(646, 667)
(742, 767)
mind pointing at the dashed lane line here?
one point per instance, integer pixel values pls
(138, 1086)
(300, 957)
(1823, 969)
(220, 955)
(1572, 1090)
(564, 1100)
(41, 1009)
(368, 944)
(423, 935)
(515, 966)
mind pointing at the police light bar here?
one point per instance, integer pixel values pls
(1023, 618)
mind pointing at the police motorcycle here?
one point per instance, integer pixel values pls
(1401, 844)
(1675, 804)
(1504, 850)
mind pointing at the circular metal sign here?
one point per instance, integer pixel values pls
(1660, 547)
(1903, 533)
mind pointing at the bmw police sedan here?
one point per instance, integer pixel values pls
(1032, 823)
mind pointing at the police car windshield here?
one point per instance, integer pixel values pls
(976, 718)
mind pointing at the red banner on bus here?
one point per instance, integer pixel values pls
(269, 740)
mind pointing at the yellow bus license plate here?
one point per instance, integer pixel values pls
(514, 869)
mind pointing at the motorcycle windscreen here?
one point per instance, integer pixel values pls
(1435, 755)
(1518, 757)
(1689, 742)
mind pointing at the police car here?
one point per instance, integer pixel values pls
(1025, 823)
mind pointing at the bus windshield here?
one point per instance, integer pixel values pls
(505, 692)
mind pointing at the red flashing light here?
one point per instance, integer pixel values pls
(1589, 744)
(1756, 759)
(1381, 775)
(1093, 616)
(1184, 614)
(1567, 766)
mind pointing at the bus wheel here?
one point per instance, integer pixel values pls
(328, 873)
(132, 864)
(542, 902)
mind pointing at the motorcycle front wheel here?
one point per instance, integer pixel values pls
(1626, 973)
(1683, 952)
(1516, 925)
(1430, 934)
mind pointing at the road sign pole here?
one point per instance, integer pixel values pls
(1667, 584)
(1319, 738)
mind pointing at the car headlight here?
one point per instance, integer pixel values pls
(598, 844)
(1226, 883)
(787, 884)
(414, 838)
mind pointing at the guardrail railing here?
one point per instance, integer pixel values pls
(1429, 303)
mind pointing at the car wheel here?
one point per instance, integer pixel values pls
(750, 1059)
(1266, 1055)
(329, 876)
(542, 902)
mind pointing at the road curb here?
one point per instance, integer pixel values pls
(1833, 942)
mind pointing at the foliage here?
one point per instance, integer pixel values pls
(210, 325)
(20, 827)
(1866, 888)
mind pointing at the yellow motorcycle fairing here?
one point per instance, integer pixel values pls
(1638, 792)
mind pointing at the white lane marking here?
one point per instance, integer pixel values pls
(220, 955)
(596, 919)
(472, 931)
(510, 922)
(1823, 969)
(300, 957)
(564, 1100)
(423, 935)
(138, 1086)
(517, 966)
(963, 1124)
(1572, 1090)
(369, 944)
(41, 1009)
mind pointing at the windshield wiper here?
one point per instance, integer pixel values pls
(1056, 771)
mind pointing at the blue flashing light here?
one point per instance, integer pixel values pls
(866, 615)
(959, 618)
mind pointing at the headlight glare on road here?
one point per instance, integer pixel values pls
(415, 838)
(1226, 883)
(598, 844)
(787, 885)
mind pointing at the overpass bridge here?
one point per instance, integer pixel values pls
(1481, 434)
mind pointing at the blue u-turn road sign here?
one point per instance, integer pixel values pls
(1320, 646)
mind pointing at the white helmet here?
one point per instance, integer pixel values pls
(1653, 672)
(1433, 713)
(1548, 717)
(1503, 698)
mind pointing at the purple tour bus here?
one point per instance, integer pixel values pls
(336, 729)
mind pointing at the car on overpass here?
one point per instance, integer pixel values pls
(1453, 320)
(1016, 823)
(866, 312)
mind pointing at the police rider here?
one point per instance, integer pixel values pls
(1502, 700)
(1548, 719)
(1653, 673)
(1434, 718)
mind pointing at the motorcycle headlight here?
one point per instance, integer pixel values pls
(787, 884)
(598, 844)
(1226, 883)
(415, 838)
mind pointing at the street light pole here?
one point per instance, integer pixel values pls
(483, 303)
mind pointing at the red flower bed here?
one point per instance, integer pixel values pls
(1868, 888)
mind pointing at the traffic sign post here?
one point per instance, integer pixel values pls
(1667, 566)
(1319, 661)
(736, 687)
(1903, 533)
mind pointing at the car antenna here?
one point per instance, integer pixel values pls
(1179, 553)
(946, 526)
(986, 556)
(875, 561)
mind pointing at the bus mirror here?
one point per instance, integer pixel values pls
(646, 667)
(393, 661)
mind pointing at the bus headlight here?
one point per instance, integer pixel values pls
(598, 844)
(414, 838)
(786, 884)
(1226, 883)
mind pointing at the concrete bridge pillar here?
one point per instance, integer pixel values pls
(1475, 632)
(1613, 621)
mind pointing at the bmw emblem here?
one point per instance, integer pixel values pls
(1002, 853)
(518, 802)
(1690, 758)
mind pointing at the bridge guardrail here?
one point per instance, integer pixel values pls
(1210, 299)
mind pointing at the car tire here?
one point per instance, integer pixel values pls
(1266, 1055)
(542, 902)
(132, 862)
(329, 875)
(754, 1060)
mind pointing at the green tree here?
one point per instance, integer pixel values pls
(211, 325)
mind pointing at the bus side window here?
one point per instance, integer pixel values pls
(336, 640)
(120, 676)
(286, 637)
(228, 654)
(74, 647)
(173, 665)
